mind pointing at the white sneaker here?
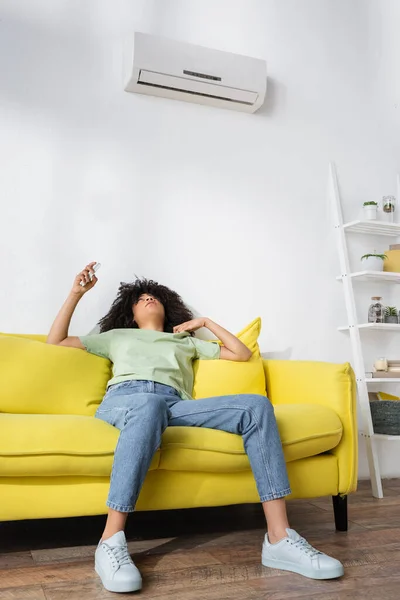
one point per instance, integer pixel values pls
(114, 565)
(294, 553)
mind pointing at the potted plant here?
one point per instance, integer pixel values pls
(373, 262)
(391, 314)
(370, 209)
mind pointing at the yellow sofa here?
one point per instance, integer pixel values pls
(56, 458)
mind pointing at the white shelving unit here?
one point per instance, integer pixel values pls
(355, 329)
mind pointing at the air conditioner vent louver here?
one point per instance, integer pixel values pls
(197, 88)
(164, 87)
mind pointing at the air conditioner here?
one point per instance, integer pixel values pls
(163, 67)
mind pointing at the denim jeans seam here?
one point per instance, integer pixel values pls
(112, 471)
(111, 476)
(120, 507)
(112, 468)
(148, 470)
(266, 460)
(261, 449)
(275, 495)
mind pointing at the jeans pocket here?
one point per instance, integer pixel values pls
(108, 415)
(114, 406)
(107, 406)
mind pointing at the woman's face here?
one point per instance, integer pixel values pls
(148, 309)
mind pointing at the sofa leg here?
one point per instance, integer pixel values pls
(340, 510)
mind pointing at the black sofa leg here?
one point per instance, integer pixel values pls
(340, 510)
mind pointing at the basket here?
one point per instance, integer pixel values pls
(386, 416)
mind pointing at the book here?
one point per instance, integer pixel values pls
(385, 374)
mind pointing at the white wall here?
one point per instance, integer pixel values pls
(229, 209)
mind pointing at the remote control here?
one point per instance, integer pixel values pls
(96, 267)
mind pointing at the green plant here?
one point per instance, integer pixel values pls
(372, 203)
(391, 311)
(382, 256)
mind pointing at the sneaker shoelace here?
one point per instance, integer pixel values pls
(306, 547)
(121, 555)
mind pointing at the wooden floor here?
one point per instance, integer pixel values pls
(208, 554)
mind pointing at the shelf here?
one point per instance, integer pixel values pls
(385, 436)
(382, 276)
(382, 326)
(373, 228)
(382, 379)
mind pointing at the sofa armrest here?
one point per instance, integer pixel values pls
(328, 384)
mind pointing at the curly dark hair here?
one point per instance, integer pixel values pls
(120, 314)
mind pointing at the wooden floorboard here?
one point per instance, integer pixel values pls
(209, 554)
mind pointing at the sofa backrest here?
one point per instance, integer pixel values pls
(40, 378)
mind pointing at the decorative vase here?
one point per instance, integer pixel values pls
(372, 263)
(375, 310)
(388, 207)
(370, 212)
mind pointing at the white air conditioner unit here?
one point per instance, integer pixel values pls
(162, 67)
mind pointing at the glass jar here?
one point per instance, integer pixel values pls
(388, 206)
(381, 364)
(376, 310)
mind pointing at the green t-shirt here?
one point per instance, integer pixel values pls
(153, 355)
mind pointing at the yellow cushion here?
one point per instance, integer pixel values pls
(224, 377)
(304, 430)
(63, 445)
(249, 336)
(385, 396)
(307, 430)
(43, 378)
(37, 337)
(392, 262)
(49, 445)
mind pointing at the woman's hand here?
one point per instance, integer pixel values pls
(191, 325)
(84, 276)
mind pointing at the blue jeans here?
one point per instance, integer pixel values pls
(143, 409)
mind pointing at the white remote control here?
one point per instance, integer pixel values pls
(96, 267)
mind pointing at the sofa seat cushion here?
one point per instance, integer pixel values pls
(57, 445)
(305, 430)
(77, 445)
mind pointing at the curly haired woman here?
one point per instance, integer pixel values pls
(148, 334)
